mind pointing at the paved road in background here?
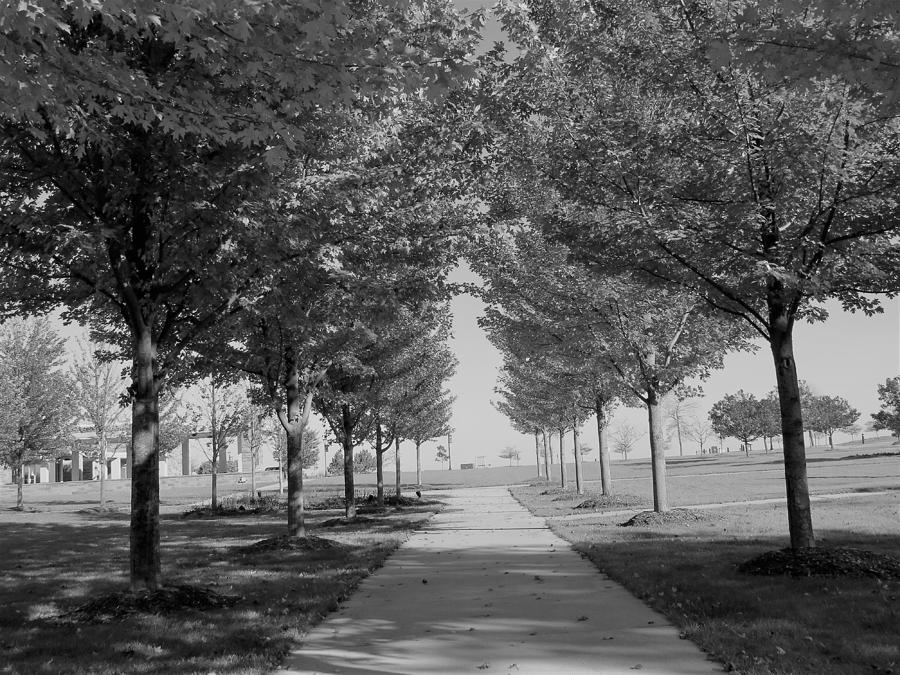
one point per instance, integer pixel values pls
(487, 588)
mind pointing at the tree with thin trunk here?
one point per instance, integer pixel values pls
(831, 413)
(99, 398)
(510, 453)
(37, 421)
(678, 408)
(700, 431)
(739, 416)
(625, 437)
(221, 410)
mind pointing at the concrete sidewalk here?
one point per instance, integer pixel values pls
(488, 588)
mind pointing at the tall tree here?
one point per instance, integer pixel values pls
(38, 419)
(99, 397)
(763, 193)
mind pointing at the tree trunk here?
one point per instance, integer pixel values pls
(537, 452)
(796, 485)
(144, 531)
(347, 444)
(562, 458)
(603, 443)
(20, 489)
(253, 474)
(294, 419)
(812, 443)
(102, 443)
(379, 467)
(657, 453)
(678, 431)
(579, 488)
(280, 474)
(296, 515)
(546, 454)
(419, 465)
(214, 501)
(831, 440)
(397, 467)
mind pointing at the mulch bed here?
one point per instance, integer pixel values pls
(672, 517)
(610, 502)
(823, 561)
(338, 522)
(168, 599)
(556, 491)
(286, 543)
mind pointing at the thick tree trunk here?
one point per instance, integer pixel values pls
(294, 419)
(537, 453)
(347, 444)
(796, 484)
(379, 467)
(562, 458)
(418, 465)
(657, 453)
(579, 488)
(144, 531)
(603, 442)
(546, 454)
(397, 467)
(296, 514)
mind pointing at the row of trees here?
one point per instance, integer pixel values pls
(743, 416)
(665, 169)
(233, 191)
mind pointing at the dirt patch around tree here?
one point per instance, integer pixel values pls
(823, 561)
(286, 543)
(603, 502)
(115, 606)
(672, 517)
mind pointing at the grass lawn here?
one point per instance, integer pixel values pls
(54, 562)
(752, 624)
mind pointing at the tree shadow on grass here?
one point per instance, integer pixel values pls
(51, 569)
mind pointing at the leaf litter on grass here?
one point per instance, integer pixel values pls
(287, 543)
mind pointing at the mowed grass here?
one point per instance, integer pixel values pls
(752, 624)
(54, 562)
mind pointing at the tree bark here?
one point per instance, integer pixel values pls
(657, 453)
(603, 443)
(347, 444)
(20, 489)
(796, 484)
(102, 444)
(379, 467)
(419, 465)
(144, 530)
(546, 455)
(537, 453)
(397, 467)
(562, 458)
(214, 501)
(678, 431)
(579, 488)
(294, 419)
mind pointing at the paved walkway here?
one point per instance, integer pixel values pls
(488, 588)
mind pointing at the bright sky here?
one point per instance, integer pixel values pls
(848, 355)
